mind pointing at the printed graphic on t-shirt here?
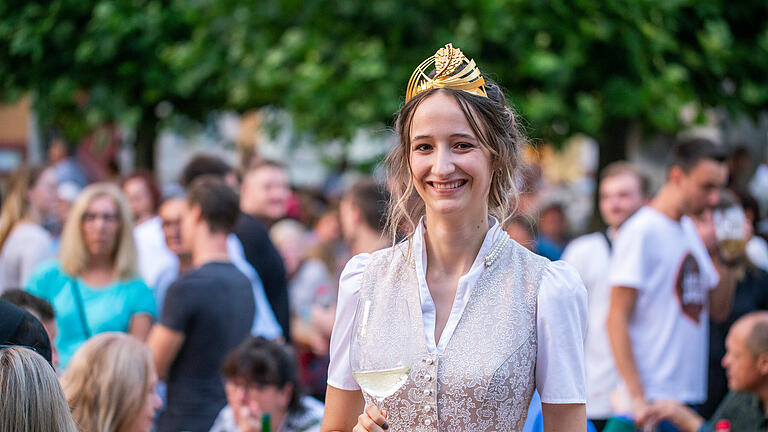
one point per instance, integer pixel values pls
(690, 289)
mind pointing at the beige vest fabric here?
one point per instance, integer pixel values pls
(484, 380)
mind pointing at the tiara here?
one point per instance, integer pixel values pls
(453, 70)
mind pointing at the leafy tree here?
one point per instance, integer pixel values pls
(592, 66)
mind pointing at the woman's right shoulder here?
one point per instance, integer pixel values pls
(353, 271)
(46, 277)
(49, 268)
(352, 275)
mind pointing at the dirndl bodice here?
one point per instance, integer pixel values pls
(484, 379)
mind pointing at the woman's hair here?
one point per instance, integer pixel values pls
(16, 204)
(149, 181)
(496, 127)
(31, 398)
(258, 360)
(107, 382)
(74, 253)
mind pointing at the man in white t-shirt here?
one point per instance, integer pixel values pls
(623, 190)
(665, 287)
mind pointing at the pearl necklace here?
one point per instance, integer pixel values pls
(496, 251)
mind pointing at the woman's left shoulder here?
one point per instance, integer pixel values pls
(561, 283)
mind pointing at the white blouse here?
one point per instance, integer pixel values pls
(561, 321)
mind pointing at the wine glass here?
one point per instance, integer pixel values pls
(381, 351)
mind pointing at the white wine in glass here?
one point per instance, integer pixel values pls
(381, 353)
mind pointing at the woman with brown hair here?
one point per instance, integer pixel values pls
(24, 244)
(491, 320)
(110, 385)
(94, 285)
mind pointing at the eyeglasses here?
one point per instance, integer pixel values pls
(89, 217)
(167, 223)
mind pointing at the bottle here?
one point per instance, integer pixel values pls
(723, 426)
(266, 423)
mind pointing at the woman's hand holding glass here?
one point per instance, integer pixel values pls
(381, 354)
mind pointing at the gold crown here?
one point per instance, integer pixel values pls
(447, 61)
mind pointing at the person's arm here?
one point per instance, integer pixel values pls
(721, 297)
(561, 327)
(165, 343)
(684, 418)
(342, 408)
(33, 255)
(564, 417)
(167, 336)
(140, 325)
(620, 312)
(344, 403)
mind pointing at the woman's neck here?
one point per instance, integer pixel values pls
(452, 247)
(100, 263)
(100, 271)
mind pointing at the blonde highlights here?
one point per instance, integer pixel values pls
(31, 398)
(107, 382)
(493, 123)
(74, 254)
(16, 204)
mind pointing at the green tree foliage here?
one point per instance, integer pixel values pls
(592, 66)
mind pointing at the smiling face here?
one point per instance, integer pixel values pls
(450, 169)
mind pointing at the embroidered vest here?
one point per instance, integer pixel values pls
(484, 380)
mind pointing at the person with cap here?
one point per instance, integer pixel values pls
(20, 328)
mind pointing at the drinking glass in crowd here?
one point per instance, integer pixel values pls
(93, 286)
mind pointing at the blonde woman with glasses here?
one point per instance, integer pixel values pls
(94, 285)
(31, 399)
(110, 385)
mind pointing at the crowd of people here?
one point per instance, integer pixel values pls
(213, 305)
(126, 260)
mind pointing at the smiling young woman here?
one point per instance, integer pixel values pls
(494, 321)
